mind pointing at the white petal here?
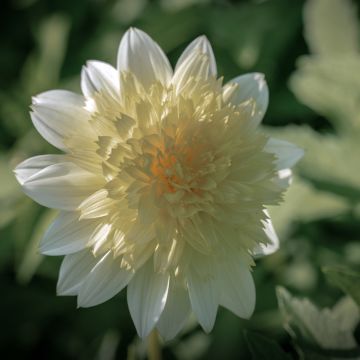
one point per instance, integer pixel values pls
(67, 234)
(139, 54)
(287, 154)
(58, 114)
(99, 238)
(284, 178)
(99, 76)
(202, 45)
(62, 185)
(176, 311)
(105, 280)
(96, 205)
(236, 287)
(251, 87)
(73, 271)
(204, 297)
(269, 230)
(193, 67)
(147, 294)
(31, 166)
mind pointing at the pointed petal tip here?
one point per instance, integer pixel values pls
(259, 76)
(201, 42)
(146, 296)
(196, 53)
(140, 54)
(134, 29)
(251, 86)
(202, 39)
(18, 176)
(99, 76)
(287, 154)
(48, 249)
(62, 291)
(260, 79)
(78, 305)
(34, 101)
(42, 249)
(82, 303)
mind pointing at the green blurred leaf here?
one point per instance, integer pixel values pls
(31, 257)
(331, 26)
(346, 280)
(308, 353)
(176, 5)
(331, 87)
(262, 348)
(43, 69)
(193, 347)
(253, 34)
(321, 329)
(127, 11)
(329, 158)
(319, 205)
(10, 193)
(171, 29)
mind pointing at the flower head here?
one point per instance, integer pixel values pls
(162, 186)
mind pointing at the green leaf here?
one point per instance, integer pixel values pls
(31, 258)
(11, 195)
(346, 280)
(331, 26)
(329, 159)
(261, 47)
(313, 354)
(330, 86)
(43, 70)
(318, 329)
(262, 348)
(320, 205)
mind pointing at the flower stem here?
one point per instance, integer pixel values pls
(154, 348)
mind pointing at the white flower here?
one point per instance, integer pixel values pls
(162, 186)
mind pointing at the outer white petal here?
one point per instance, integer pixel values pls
(33, 165)
(73, 271)
(176, 311)
(139, 54)
(97, 76)
(62, 185)
(204, 297)
(194, 66)
(105, 280)
(147, 294)
(251, 87)
(236, 287)
(202, 45)
(67, 234)
(284, 178)
(269, 230)
(287, 154)
(58, 114)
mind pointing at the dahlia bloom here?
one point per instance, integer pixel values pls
(162, 186)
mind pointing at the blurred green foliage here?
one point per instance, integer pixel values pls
(310, 54)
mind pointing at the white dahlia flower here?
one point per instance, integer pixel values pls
(162, 186)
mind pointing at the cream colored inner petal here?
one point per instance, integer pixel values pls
(185, 171)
